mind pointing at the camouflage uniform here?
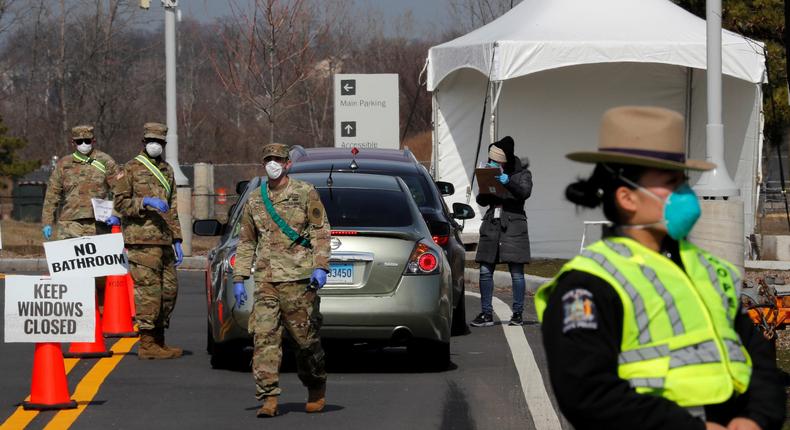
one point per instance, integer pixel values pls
(72, 185)
(282, 272)
(149, 236)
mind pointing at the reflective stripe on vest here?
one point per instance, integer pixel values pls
(92, 161)
(156, 172)
(678, 338)
(639, 306)
(650, 275)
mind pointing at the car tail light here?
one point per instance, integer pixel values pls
(343, 233)
(423, 261)
(441, 240)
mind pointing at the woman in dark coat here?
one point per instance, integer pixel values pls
(504, 237)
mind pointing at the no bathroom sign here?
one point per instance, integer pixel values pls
(87, 256)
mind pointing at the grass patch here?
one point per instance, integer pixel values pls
(24, 239)
(543, 267)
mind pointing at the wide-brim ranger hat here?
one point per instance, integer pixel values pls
(642, 136)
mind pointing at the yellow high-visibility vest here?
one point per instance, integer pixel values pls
(679, 340)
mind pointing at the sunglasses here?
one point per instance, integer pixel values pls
(83, 141)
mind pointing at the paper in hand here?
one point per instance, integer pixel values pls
(102, 209)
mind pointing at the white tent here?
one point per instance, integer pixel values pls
(555, 66)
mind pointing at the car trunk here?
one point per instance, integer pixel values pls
(368, 262)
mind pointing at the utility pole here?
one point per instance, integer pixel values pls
(720, 229)
(184, 192)
(717, 182)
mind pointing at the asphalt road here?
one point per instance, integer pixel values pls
(367, 388)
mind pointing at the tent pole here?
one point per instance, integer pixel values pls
(496, 90)
(482, 120)
(689, 85)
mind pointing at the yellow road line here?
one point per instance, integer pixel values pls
(89, 385)
(21, 418)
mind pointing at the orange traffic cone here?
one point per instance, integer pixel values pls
(48, 389)
(95, 349)
(117, 313)
(117, 320)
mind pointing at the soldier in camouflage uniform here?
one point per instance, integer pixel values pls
(145, 197)
(77, 178)
(288, 271)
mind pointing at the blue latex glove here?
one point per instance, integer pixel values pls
(179, 253)
(240, 293)
(503, 178)
(318, 279)
(47, 231)
(113, 220)
(156, 203)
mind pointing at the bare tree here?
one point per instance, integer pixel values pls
(268, 51)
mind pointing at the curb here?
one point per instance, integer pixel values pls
(10, 265)
(502, 279)
(767, 265)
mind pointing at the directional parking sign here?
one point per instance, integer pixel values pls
(348, 87)
(348, 129)
(366, 111)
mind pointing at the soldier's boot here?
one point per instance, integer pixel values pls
(269, 407)
(149, 350)
(316, 398)
(159, 339)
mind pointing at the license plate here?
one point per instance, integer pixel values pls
(340, 274)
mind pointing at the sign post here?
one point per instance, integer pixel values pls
(366, 111)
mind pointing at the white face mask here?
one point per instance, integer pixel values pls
(85, 148)
(153, 149)
(274, 169)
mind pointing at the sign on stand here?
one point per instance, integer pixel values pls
(42, 309)
(366, 111)
(87, 256)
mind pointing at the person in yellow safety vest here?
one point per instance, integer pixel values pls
(643, 330)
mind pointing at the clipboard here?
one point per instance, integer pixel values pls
(487, 182)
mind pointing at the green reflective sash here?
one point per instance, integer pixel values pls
(92, 161)
(156, 172)
(284, 227)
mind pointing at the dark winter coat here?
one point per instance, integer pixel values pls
(506, 240)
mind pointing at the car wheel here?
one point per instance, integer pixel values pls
(430, 354)
(460, 327)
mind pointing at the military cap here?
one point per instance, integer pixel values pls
(275, 150)
(82, 132)
(154, 130)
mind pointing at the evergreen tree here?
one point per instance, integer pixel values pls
(10, 164)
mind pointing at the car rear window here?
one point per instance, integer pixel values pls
(354, 207)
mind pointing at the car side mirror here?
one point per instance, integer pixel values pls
(445, 188)
(207, 227)
(463, 211)
(241, 186)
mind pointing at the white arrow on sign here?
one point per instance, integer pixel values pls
(348, 87)
(349, 128)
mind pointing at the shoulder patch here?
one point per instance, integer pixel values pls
(578, 310)
(315, 213)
